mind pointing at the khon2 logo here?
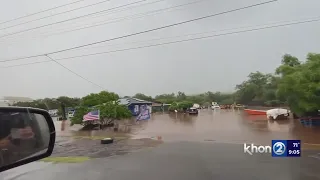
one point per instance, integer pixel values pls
(278, 148)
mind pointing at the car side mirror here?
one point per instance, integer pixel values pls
(26, 135)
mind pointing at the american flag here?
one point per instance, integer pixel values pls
(91, 116)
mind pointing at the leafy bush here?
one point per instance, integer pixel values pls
(181, 106)
(185, 105)
(273, 103)
(109, 110)
(173, 106)
(94, 99)
(78, 115)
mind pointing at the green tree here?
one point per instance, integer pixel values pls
(80, 111)
(68, 101)
(181, 96)
(109, 111)
(185, 105)
(259, 88)
(227, 101)
(300, 83)
(245, 92)
(114, 111)
(39, 103)
(180, 106)
(216, 97)
(173, 106)
(198, 98)
(99, 98)
(166, 98)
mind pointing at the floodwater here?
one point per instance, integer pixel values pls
(226, 126)
(229, 126)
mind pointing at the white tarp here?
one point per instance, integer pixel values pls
(196, 106)
(276, 112)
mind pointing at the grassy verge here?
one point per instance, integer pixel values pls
(79, 159)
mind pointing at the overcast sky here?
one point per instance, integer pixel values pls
(212, 64)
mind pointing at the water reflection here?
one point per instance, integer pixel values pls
(183, 119)
(226, 125)
(213, 125)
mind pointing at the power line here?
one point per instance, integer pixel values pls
(94, 4)
(130, 7)
(123, 9)
(128, 17)
(190, 39)
(59, 22)
(175, 42)
(114, 20)
(201, 33)
(41, 11)
(73, 72)
(142, 32)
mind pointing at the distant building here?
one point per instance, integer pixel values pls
(9, 100)
(160, 107)
(135, 105)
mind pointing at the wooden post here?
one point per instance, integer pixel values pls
(115, 126)
(63, 125)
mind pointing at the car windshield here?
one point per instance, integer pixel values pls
(170, 89)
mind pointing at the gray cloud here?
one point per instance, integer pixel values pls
(215, 64)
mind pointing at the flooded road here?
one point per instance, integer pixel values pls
(188, 151)
(218, 126)
(230, 126)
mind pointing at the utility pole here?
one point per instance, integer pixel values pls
(63, 114)
(64, 118)
(63, 111)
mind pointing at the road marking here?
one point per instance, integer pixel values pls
(317, 156)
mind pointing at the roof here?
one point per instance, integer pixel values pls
(160, 104)
(129, 100)
(156, 104)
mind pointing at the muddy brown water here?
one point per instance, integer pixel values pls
(227, 126)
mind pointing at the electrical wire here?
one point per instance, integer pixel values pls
(115, 20)
(21, 17)
(78, 17)
(73, 72)
(27, 22)
(139, 15)
(175, 42)
(143, 32)
(105, 13)
(186, 40)
(199, 33)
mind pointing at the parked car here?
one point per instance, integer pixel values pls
(192, 110)
(215, 107)
(70, 114)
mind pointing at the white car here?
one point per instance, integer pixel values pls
(70, 114)
(215, 107)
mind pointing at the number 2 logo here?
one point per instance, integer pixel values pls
(279, 148)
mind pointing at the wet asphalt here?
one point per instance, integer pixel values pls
(178, 161)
